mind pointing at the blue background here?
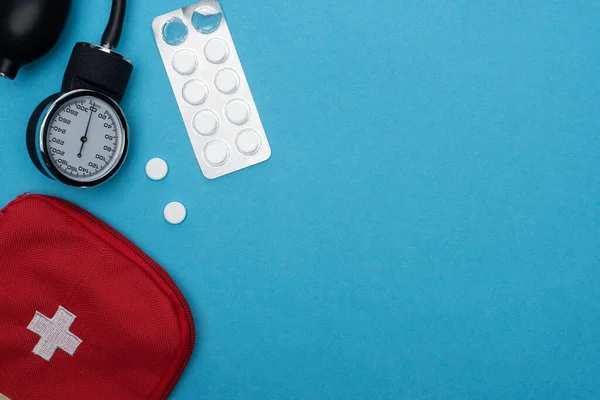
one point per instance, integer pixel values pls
(428, 226)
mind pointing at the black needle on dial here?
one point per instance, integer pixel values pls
(87, 128)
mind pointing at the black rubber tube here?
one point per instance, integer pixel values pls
(112, 34)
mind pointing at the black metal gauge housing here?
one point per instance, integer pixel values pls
(81, 139)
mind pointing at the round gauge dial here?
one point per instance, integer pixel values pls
(85, 138)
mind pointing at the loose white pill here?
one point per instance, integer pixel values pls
(216, 51)
(205, 122)
(248, 142)
(216, 153)
(184, 62)
(238, 112)
(195, 92)
(175, 213)
(227, 81)
(157, 169)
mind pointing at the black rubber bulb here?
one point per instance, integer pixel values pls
(28, 30)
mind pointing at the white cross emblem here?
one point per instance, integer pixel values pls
(54, 333)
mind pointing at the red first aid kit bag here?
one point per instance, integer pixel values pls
(84, 314)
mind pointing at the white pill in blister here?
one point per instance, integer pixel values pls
(157, 169)
(206, 123)
(184, 62)
(175, 213)
(216, 51)
(227, 81)
(195, 92)
(216, 153)
(248, 142)
(238, 112)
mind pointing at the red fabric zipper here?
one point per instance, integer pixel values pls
(60, 203)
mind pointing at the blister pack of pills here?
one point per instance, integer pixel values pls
(211, 89)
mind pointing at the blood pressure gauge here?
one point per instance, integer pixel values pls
(83, 138)
(80, 136)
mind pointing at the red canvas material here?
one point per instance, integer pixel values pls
(71, 284)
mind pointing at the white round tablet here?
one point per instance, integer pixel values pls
(195, 92)
(175, 213)
(216, 153)
(216, 51)
(227, 81)
(205, 123)
(248, 142)
(157, 169)
(237, 112)
(184, 62)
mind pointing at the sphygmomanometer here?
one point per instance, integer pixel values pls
(78, 136)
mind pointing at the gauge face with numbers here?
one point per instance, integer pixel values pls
(84, 138)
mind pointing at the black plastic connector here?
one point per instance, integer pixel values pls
(97, 68)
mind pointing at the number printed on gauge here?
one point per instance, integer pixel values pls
(84, 138)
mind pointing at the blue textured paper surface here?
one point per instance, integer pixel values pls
(428, 226)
